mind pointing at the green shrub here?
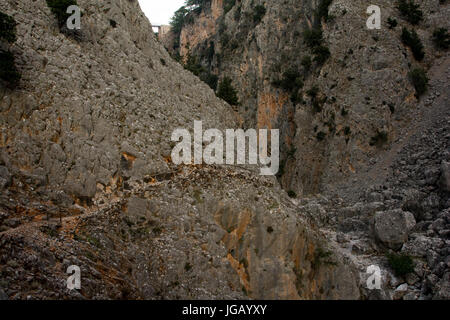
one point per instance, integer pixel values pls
(292, 80)
(59, 9)
(8, 70)
(185, 15)
(7, 28)
(400, 263)
(228, 5)
(292, 194)
(197, 69)
(322, 9)
(412, 40)
(347, 131)
(193, 66)
(410, 11)
(321, 136)
(210, 79)
(187, 267)
(317, 105)
(420, 80)
(258, 13)
(227, 92)
(306, 62)
(313, 37)
(379, 139)
(392, 23)
(313, 92)
(441, 38)
(322, 54)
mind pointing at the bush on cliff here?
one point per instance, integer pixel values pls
(412, 40)
(410, 11)
(8, 70)
(7, 28)
(227, 92)
(441, 38)
(420, 81)
(59, 9)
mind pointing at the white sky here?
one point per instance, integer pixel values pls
(160, 11)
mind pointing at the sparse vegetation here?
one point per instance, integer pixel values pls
(322, 257)
(306, 62)
(392, 23)
(420, 80)
(292, 194)
(313, 92)
(228, 5)
(400, 263)
(258, 13)
(347, 131)
(59, 9)
(187, 267)
(412, 40)
(410, 11)
(379, 139)
(8, 71)
(7, 28)
(313, 37)
(441, 38)
(322, 10)
(322, 54)
(227, 92)
(184, 16)
(291, 82)
(196, 68)
(321, 136)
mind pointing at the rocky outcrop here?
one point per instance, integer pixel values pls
(392, 227)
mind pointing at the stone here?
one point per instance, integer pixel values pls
(137, 207)
(5, 177)
(392, 227)
(445, 176)
(400, 291)
(3, 295)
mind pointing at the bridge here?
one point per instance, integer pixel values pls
(161, 29)
(156, 26)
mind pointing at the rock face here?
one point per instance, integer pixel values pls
(85, 150)
(363, 90)
(86, 176)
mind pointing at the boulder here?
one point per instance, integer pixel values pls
(400, 291)
(445, 176)
(5, 177)
(392, 227)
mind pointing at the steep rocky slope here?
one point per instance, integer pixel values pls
(86, 178)
(366, 157)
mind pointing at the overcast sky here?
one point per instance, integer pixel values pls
(160, 11)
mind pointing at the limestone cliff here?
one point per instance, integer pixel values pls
(364, 98)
